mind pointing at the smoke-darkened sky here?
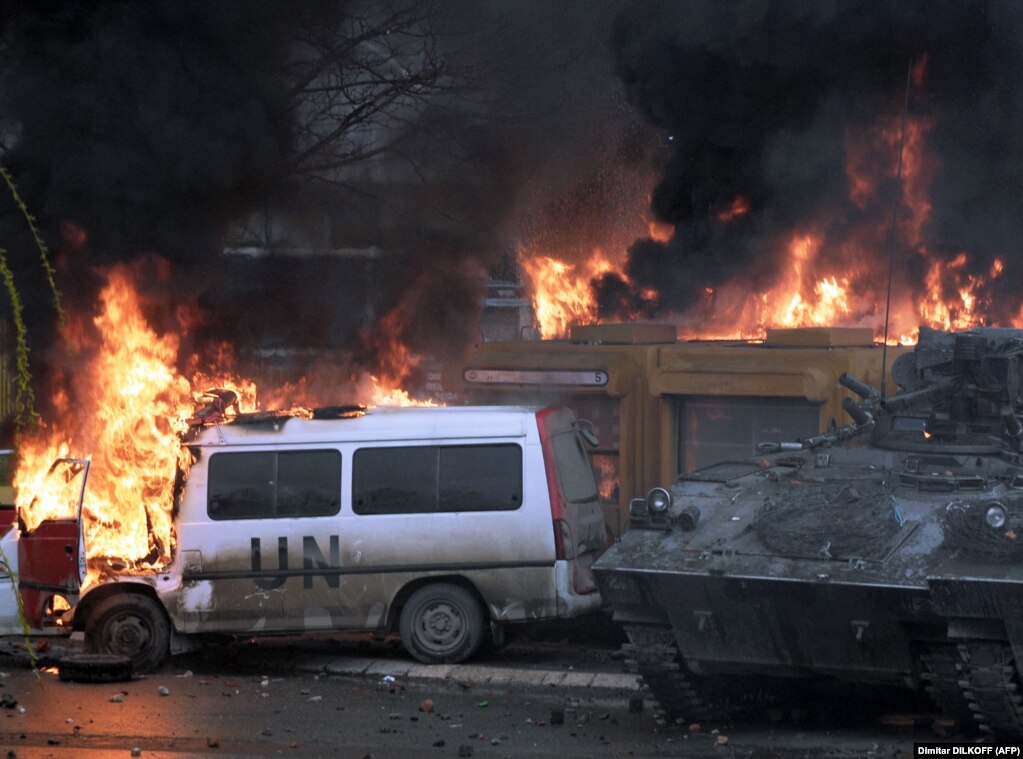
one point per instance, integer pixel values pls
(147, 129)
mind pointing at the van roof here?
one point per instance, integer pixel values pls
(378, 423)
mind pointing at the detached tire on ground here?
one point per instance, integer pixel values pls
(95, 668)
(129, 625)
(442, 624)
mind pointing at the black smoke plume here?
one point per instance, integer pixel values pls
(137, 129)
(758, 98)
(141, 133)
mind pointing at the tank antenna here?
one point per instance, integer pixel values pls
(896, 196)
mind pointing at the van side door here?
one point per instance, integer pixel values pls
(476, 509)
(259, 541)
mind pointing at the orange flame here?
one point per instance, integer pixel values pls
(818, 279)
(125, 409)
(128, 426)
(563, 292)
(560, 295)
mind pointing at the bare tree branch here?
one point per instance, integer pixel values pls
(362, 75)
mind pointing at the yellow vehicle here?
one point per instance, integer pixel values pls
(661, 407)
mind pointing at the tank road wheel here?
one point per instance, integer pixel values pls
(441, 624)
(131, 625)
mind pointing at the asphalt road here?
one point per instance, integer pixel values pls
(281, 698)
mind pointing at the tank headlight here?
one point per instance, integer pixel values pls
(995, 516)
(659, 500)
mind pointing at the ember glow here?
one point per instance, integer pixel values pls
(132, 409)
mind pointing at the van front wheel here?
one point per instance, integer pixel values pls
(441, 624)
(131, 625)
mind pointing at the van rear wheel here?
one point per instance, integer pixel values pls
(441, 624)
(130, 625)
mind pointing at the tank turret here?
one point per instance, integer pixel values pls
(887, 551)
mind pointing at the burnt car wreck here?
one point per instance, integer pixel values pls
(888, 551)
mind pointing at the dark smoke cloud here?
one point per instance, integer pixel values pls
(139, 130)
(146, 124)
(135, 129)
(758, 97)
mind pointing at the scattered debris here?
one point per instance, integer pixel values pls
(213, 742)
(163, 690)
(7, 701)
(427, 706)
(136, 751)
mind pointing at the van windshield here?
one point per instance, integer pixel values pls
(575, 475)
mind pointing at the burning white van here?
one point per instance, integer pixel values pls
(441, 524)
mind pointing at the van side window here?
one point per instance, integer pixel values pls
(429, 479)
(575, 475)
(266, 484)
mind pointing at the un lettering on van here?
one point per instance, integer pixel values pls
(312, 560)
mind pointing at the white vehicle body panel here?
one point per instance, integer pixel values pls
(344, 571)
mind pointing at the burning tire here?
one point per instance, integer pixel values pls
(129, 625)
(441, 624)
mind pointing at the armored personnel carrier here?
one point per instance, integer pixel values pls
(886, 551)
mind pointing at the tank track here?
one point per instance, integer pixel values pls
(942, 673)
(991, 686)
(653, 654)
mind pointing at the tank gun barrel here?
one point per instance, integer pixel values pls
(862, 389)
(915, 397)
(860, 415)
(863, 419)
